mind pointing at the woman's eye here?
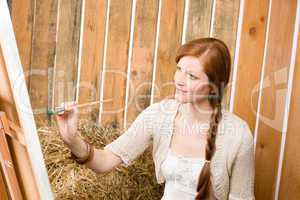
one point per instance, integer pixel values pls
(192, 77)
(178, 68)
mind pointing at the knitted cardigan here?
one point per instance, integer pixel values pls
(232, 165)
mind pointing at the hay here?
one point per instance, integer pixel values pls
(72, 181)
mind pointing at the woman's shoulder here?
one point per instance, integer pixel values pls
(163, 106)
(234, 119)
(238, 128)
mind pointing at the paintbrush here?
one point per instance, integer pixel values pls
(62, 109)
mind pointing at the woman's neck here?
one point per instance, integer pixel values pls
(196, 112)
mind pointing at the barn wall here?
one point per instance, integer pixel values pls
(22, 159)
(122, 53)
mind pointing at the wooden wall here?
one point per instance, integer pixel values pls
(122, 53)
(22, 161)
(265, 92)
(119, 52)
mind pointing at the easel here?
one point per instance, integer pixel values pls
(7, 168)
(23, 174)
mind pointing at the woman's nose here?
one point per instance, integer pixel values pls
(180, 79)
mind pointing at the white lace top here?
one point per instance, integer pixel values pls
(232, 166)
(181, 174)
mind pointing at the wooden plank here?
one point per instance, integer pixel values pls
(7, 164)
(67, 45)
(171, 23)
(7, 103)
(32, 156)
(289, 185)
(250, 62)
(3, 188)
(225, 28)
(23, 169)
(112, 112)
(142, 58)
(273, 96)
(42, 58)
(16, 133)
(22, 19)
(92, 56)
(199, 19)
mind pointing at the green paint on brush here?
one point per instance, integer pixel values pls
(50, 112)
(55, 111)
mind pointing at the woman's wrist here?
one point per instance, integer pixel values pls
(88, 155)
(77, 146)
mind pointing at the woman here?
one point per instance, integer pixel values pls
(200, 150)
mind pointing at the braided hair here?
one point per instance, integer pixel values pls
(217, 63)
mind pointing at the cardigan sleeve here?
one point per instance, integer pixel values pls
(243, 170)
(136, 138)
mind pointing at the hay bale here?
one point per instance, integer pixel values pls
(72, 181)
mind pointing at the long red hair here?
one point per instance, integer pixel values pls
(216, 60)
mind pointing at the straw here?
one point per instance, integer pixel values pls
(72, 181)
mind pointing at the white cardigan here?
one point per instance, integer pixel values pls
(232, 166)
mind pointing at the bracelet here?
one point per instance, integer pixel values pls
(89, 155)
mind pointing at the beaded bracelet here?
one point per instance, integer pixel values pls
(88, 157)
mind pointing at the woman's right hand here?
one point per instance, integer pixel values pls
(68, 122)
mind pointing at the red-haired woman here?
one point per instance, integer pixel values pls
(200, 150)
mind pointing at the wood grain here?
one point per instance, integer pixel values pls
(199, 19)
(3, 188)
(273, 96)
(92, 56)
(7, 164)
(142, 58)
(250, 63)
(7, 104)
(42, 58)
(169, 41)
(18, 152)
(116, 66)
(290, 177)
(22, 19)
(30, 166)
(225, 28)
(67, 45)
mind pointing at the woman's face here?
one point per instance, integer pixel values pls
(191, 82)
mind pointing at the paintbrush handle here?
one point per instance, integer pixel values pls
(62, 109)
(87, 104)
